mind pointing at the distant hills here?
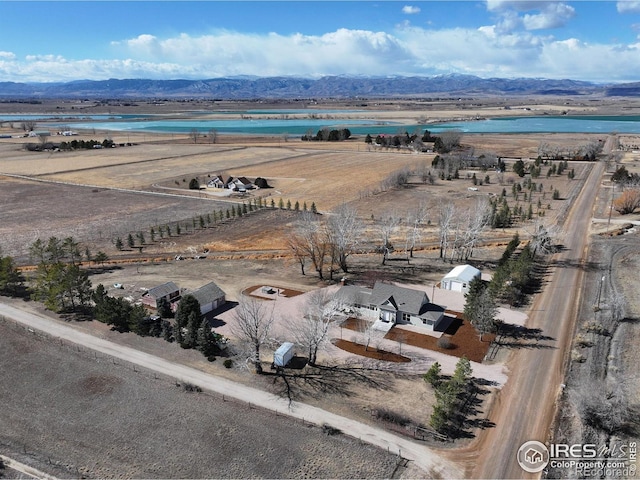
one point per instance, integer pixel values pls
(243, 88)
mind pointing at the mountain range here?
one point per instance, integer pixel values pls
(242, 88)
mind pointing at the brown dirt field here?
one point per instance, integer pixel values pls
(464, 339)
(92, 215)
(369, 352)
(102, 420)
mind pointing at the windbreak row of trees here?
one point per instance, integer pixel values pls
(327, 135)
(85, 144)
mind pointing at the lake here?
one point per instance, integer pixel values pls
(281, 124)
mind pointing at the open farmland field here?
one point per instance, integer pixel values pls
(103, 420)
(96, 216)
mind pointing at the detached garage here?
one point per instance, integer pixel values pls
(459, 278)
(210, 297)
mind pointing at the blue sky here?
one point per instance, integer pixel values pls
(67, 40)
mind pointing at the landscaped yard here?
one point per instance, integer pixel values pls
(463, 338)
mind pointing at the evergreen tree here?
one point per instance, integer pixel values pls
(11, 280)
(187, 321)
(164, 308)
(130, 242)
(119, 244)
(432, 377)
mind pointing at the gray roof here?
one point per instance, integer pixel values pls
(404, 299)
(163, 290)
(432, 312)
(354, 294)
(208, 293)
(464, 273)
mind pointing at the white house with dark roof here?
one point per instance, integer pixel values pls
(393, 305)
(459, 278)
(241, 183)
(218, 182)
(210, 297)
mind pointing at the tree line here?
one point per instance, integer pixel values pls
(63, 286)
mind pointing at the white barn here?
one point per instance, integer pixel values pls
(459, 278)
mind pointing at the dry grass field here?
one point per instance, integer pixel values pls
(103, 411)
(101, 420)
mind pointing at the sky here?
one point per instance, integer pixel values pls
(55, 41)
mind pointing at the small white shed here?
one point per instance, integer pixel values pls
(283, 355)
(459, 278)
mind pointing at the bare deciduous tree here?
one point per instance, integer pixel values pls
(194, 134)
(344, 229)
(415, 220)
(477, 221)
(446, 214)
(387, 225)
(320, 311)
(252, 322)
(311, 240)
(543, 238)
(450, 139)
(627, 202)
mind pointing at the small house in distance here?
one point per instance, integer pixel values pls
(241, 183)
(218, 182)
(168, 291)
(210, 297)
(459, 278)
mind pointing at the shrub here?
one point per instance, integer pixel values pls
(392, 417)
(228, 363)
(190, 387)
(329, 430)
(445, 343)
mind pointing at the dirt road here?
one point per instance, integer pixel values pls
(26, 470)
(525, 408)
(423, 457)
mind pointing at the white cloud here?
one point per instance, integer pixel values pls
(530, 14)
(518, 5)
(552, 16)
(410, 50)
(628, 6)
(410, 10)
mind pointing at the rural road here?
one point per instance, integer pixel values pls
(30, 472)
(524, 409)
(423, 457)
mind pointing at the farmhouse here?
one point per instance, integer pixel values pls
(241, 183)
(459, 278)
(210, 297)
(218, 182)
(168, 291)
(394, 305)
